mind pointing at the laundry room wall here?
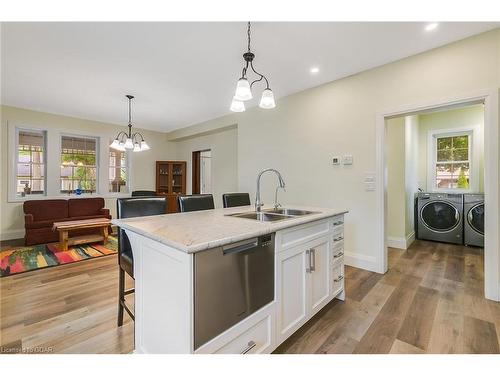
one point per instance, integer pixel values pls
(470, 116)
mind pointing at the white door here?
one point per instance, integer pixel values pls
(320, 275)
(292, 290)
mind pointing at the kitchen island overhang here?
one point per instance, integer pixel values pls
(306, 254)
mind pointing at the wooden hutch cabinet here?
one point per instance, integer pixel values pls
(171, 181)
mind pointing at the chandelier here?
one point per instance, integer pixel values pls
(244, 88)
(128, 141)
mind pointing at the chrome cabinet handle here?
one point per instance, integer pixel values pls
(338, 223)
(312, 252)
(338, 255)
(338, 279)
(338, 239)
(251, 345)
(308, 255)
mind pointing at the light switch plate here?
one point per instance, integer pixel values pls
(336, 160)
(347, 159)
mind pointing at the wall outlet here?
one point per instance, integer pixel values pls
(336, 160)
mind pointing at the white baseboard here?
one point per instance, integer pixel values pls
(365, 262)
(401, 242)
(11, 234)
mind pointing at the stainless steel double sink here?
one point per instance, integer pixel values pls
(273, 214)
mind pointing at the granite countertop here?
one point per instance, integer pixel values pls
(200, 230)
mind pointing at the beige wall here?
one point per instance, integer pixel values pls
(471, 116)
(306, 129)
(396, 193)
(142, 164)
(224, 162)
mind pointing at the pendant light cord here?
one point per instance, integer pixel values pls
(248, 33)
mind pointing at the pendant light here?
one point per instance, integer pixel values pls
(244, 87)
(129, 141)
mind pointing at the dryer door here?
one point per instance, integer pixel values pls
(440, 216)
(475, 218)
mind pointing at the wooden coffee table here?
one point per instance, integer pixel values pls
(65, 227)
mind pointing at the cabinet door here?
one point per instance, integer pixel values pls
(319, 275)
(292, 290)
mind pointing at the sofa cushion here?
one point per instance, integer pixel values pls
(85, 207)
(46, 209)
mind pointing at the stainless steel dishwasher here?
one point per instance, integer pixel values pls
(230, 283)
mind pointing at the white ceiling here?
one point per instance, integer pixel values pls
(185, 73)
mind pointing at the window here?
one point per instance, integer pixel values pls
(78, 164)
(452, 161)
(30, 169)
(118, 171)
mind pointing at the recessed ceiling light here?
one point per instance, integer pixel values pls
(431, 26)
(314, 70)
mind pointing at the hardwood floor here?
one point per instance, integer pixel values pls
(64, 309)
(430, 301)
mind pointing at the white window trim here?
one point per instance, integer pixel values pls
(432, 135)
(97, 158)
(13, 154)
(128, 179)
(53, 165)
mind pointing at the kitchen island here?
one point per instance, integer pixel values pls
(218, 282)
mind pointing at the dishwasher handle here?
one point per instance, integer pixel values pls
(241, 247)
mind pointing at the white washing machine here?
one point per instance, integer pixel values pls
(474, 219)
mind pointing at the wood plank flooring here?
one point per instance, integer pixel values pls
(430, 301)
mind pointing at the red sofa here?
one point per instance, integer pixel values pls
(40, 215)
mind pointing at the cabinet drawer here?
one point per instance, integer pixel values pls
(338, 221)
(337, 279)
(256, 339)
(303, 233)
(337, 255)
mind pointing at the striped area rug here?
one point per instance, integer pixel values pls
(20, 259)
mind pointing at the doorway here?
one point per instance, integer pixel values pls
(442, 178)
(202, 172)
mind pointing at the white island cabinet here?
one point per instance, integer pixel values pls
(308, 274)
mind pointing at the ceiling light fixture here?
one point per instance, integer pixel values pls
(314, 70)
(431, 26)
(244, 88)
(128, 141)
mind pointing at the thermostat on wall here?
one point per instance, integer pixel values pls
(336, 160)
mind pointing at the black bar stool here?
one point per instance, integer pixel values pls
(132, 207)
(196, 202)
(235, 199)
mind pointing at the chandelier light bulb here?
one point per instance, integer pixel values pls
(121, 147)
(267, 99)
(237, 106)
(137, 147)
(243, 91)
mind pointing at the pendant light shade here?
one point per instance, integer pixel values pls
(128, 140)
(243, 91)
(267, 99)
(129, 145)
(115, 144)
(237, 106)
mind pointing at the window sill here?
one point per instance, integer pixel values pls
(66, 196)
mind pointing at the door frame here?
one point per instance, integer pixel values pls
(490, 98)
(196, 171)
